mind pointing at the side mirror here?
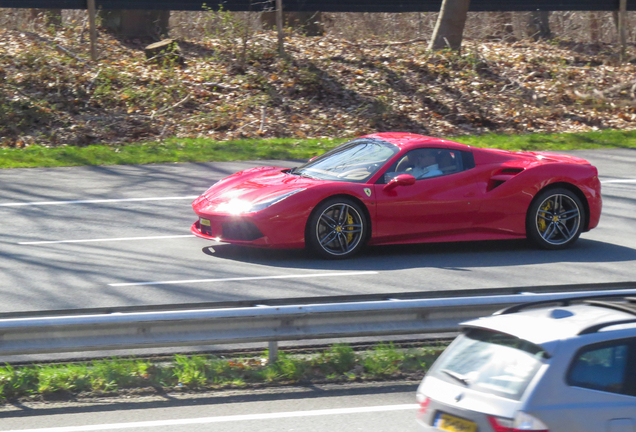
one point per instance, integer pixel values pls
(400, 180)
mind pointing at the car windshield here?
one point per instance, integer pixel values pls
(490, 362)
(355, 161)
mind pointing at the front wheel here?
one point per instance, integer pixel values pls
(555, 219)
(337, 228)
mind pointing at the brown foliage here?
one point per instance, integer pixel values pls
(51, 94)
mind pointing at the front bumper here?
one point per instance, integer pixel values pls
(238, 232)
(249, 231)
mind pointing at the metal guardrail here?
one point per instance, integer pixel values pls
(84, 331)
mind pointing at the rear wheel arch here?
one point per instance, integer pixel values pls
(567, 205)
(575, 190)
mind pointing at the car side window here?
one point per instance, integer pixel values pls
(426, 163)
(602, 368)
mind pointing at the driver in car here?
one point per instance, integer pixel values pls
(425, 164)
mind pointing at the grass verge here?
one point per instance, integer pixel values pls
(205, 150)
(339, 363)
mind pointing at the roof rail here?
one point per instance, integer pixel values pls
(561, 302)
(596, 327)
(615, 306)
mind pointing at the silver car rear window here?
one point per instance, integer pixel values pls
(490, 362)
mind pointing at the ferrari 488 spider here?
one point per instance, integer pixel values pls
(396, 188)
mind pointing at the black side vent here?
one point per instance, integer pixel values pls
(503, 176)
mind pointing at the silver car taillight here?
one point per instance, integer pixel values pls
(521, 422)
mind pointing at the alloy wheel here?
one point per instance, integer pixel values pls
(339, 229)
(558, 219)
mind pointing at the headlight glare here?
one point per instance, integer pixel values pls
(237, 206)
(261, 205)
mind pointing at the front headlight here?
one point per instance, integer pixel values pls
(261, 205)
(238, 206)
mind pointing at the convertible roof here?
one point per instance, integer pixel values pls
(405, 140)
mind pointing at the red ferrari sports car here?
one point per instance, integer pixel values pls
(396, 188)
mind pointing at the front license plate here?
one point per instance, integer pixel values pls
(205, 222)
(451, 423)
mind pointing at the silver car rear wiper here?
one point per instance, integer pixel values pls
(456, 376)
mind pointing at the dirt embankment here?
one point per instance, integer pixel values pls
(51, 94)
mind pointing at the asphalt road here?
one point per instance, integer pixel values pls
(375, 407)
(119, 236)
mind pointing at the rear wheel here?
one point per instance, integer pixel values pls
(337, 228)
(555, 219)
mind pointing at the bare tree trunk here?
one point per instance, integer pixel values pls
(449, 29)
(47, 16)
(595, 27)
(137, 23)
(539, 25)
(622, 31)
(279, 27)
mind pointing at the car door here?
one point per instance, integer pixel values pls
(439, 206)
(597, 393)
(606, 372)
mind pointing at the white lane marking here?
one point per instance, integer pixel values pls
(104, 239)
(96, 201)
(619, 181)
(224, 419)
(244, 278)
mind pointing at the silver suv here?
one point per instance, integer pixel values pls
(569, 367)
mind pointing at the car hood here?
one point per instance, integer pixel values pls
(254, 185)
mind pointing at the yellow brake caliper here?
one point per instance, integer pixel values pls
(541, 222)
(349, 222)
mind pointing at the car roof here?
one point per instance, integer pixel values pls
(406, 140)
(547, 325)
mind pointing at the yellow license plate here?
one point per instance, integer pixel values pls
(451, 423)
(205, 222)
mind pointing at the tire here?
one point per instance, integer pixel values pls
(555, 219)
(337, 228)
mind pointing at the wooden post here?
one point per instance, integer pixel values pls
(622, 31)
(93, 30)
(279, 27)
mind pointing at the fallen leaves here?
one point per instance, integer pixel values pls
(327, 87)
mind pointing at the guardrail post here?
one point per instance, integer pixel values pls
(273, 351)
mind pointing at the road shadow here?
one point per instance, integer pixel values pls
(168, 400)
(499, 253)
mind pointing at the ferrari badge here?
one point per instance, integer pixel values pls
(367, 191)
